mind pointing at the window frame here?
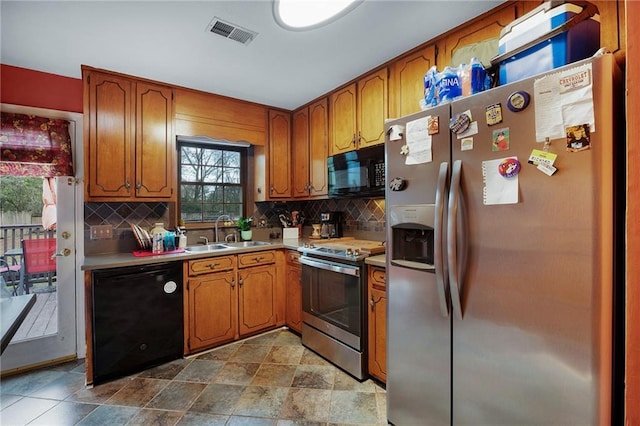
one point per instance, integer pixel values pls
(244, 184)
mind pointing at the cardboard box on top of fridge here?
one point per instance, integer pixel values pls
(554, 34)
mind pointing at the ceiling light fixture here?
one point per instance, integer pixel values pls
(302, 15)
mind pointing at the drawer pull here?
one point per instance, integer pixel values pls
(212, 265)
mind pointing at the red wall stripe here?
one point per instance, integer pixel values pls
(22, 86)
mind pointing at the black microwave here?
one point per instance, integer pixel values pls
(358, 173)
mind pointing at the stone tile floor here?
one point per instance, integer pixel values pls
(270, 379)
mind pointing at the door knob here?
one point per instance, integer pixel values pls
(63, 252)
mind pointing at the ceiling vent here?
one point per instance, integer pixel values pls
(231, 31)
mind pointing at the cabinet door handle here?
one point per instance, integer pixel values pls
(271, 189)
(353, 140)
(233, 283)
(359, 136)
(138, 185)
(372, 303)
(127, 184)
(240, 282)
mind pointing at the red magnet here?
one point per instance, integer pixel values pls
(509, 167)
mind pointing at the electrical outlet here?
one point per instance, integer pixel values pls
(101, 232)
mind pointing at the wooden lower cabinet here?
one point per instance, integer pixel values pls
(229, 297)
(213, 310)
(257, 299)
(294, 291)
(377, 320)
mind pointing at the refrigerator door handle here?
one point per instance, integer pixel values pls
(456, 239)
(439, 260)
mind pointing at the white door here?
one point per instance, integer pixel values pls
(60, 339)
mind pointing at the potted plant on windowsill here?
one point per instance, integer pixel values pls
(244, 225)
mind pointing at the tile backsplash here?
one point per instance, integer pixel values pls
(120, 216)
(360, 215)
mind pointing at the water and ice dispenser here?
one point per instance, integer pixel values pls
(412, 236)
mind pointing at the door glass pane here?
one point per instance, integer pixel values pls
(32, 271)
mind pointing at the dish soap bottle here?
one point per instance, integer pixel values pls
(157, 236)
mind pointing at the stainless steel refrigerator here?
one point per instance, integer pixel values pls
(501, 294)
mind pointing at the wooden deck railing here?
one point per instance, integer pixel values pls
(12, 235)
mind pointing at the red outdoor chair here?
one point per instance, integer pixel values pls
(39, 259)
(10, 274)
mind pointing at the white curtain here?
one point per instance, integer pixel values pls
(49, 198)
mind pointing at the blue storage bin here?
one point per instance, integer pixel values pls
(554, 34)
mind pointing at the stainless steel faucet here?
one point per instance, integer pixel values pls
(235, 238)
(218, 220)
(206, 240)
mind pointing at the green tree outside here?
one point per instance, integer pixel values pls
(21, 194)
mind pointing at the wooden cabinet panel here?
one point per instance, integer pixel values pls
(300, 148)
(318, 148)
(201, 113)
(294, 292)
(310, 149)
(223, 303)
(256, 258)
(372, 108)
(279, 154)
(212, 313)
(108, 104)
(257, 299)
(477, 31)
(155, 143)
(377, 323)
(357, 113)
(342, 136)
(128, 119)
(406, 84)
(613, 27)
(211, 264)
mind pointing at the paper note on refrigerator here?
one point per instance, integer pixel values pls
(563, 99)
(497, 188)
(418, 141)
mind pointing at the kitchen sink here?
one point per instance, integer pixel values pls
(242, 244)
(203, 248)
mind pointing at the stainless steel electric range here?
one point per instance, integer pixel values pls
(333, 304)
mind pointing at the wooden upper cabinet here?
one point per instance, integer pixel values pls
(485, 31)
(372, 108)
(300, 148)
(406, 85)
(108, 102)
(342, 123)
(358, 112)
(318, 148)
(279, 154)
(155, 145)
(128, 119)
(310, 149)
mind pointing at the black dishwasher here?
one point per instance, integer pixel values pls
(137, 318)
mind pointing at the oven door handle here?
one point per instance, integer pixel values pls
(331, 266)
